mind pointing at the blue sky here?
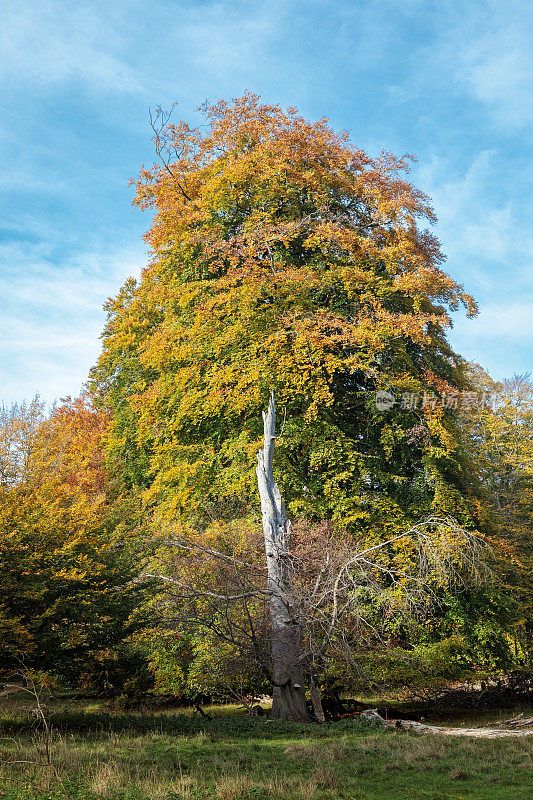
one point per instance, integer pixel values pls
(450, 81)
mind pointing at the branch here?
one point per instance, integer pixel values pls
(159, 144)
(209, 551)
(204, 593)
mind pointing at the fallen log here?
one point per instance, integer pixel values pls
(478, 733)
(523, 723)
(516, 722)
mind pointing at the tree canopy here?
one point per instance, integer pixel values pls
(284, 258)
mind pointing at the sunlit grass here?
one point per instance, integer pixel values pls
(168, 756)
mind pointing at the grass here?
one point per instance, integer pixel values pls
(101, 755)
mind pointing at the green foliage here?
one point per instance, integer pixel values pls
(284, 258)
(499, 439)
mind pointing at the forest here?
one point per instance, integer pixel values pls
(280, 489)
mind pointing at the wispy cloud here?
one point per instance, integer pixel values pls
(486, 50)
(48, 43)
(486, 236)
(52, 316)
(479, 222)
(501, 338)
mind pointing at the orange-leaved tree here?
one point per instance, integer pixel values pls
(285, 259)
(64, 572)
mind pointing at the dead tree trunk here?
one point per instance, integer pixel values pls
(286, 636)
(316, 700)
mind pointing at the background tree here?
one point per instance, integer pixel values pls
(499, 438)
(64, 566)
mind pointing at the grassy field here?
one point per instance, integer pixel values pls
(171, 756)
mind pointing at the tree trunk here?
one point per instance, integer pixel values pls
(288, 700)
(316, 700)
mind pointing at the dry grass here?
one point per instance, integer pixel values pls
(109, 778)
(459, 774)
(325, 778)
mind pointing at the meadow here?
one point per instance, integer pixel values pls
(101, 754)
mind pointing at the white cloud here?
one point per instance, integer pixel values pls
(225, 38)
(499, 70)
(502, 321)
(50, 324)
(501, 338)
(50, 42)
(485, 46)
(485, 233)
(479, 224)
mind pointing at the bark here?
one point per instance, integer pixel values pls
(316, 700)
(288, 700)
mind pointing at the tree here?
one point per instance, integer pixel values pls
(284, 258)
(499, 437)
(19, 427)
(278, 611)
(64, 571)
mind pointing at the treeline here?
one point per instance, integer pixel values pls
(285, 260)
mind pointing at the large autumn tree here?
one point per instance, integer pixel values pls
(284, 258)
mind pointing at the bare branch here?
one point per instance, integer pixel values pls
(159, 125)
(202, 592)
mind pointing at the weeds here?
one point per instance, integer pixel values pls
(44, 739)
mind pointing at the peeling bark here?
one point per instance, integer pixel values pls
(288, 700)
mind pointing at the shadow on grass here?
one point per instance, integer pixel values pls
(98, 722)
